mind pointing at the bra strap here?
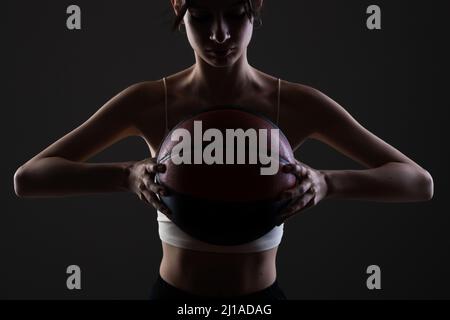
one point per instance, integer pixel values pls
(165, 104)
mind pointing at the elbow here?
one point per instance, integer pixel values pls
(426, 186)
(19, 182)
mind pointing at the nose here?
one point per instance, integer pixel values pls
(220, 31)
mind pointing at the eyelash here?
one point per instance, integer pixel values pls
(199, 17)
(238, 15)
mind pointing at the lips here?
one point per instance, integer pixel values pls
(220, 52)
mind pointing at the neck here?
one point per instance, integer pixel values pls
(221, 85)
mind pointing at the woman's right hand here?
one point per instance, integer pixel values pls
(141, 181)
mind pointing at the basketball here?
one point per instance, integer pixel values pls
(223, 174)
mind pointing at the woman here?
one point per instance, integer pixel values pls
(219, 32)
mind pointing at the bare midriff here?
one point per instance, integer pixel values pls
(218, 274)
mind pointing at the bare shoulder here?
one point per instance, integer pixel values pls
(141, 101)
(296, 95)
(300, 113)
(144, 95)
(310, 104)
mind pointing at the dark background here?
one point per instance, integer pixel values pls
(393, 81)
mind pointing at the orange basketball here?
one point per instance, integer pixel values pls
(223, 174)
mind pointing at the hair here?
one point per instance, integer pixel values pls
(248, 5)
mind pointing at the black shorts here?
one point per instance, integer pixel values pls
(161, 290)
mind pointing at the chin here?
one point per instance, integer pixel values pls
(221, 62)
(220, 65)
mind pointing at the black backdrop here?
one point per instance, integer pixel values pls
(393, 81)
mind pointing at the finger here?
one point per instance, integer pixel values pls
(298, 190)
(152, 199)
(155, 167)
(295, 168)
(151, 185)
(300, 170)
(301, 204)
(303, 164)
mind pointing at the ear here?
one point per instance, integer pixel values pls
(257, 4)
(177, 4)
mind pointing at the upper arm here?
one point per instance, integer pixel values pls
(109, 124)
(334, 126)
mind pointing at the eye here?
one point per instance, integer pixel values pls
(237, 14)
(198, 15)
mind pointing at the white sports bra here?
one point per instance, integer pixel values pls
(170, 233)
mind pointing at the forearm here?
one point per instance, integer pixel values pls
(55, 176)
(392, 182)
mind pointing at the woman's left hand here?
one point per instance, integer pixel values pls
(311, 187)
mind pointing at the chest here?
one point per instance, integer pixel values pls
(293, 119)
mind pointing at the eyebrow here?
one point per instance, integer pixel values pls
(230, 6)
